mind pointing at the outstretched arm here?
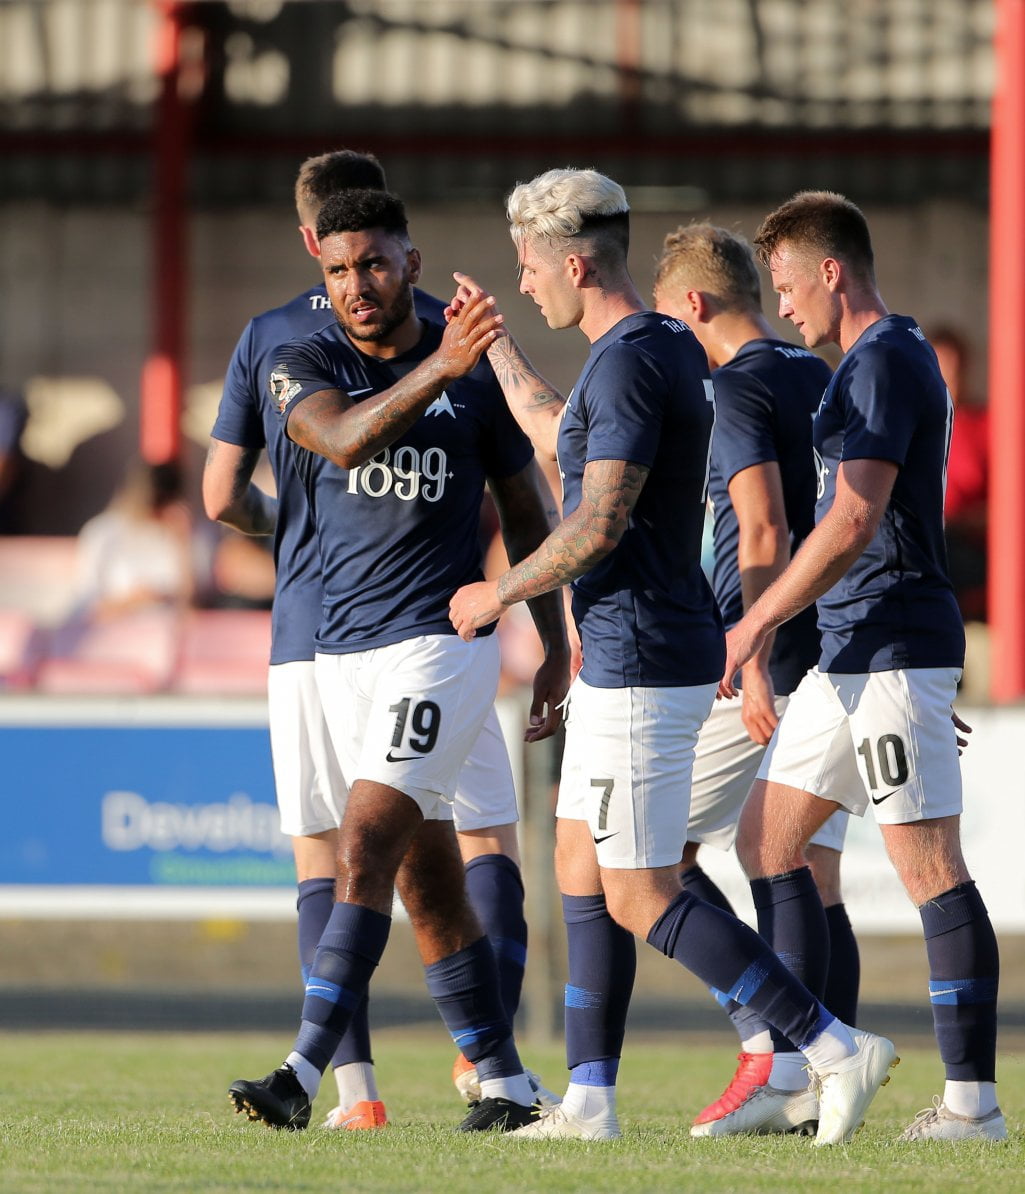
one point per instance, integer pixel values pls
(535, 403)
(348, 433)
(229, 495)
(863, 489)
(609, 493)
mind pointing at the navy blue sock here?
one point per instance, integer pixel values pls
(495, 890)
(602, 965)
(843, 981)
(792, 920)
(725, 954)
(699, 884)
(316, 899)
(964, 972)
(744, 1020)
(350, 948)
(464, 987)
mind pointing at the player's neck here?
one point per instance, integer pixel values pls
(603, 310)
(861, 309)
(399, 340)
(730, 332)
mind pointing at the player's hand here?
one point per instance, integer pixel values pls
(466, 289)
(469, 332)
(551, 683)
(473, 606)
(742, 642)
(961, 728)
(758, 712)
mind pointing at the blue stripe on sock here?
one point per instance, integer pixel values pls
(510, 949)
(579, 997)
(469, 1036)
(322, 988)
(720, 997)
(749, 983)
(595, 1073)
(963, 990)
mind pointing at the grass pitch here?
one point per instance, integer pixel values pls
(119, 1113)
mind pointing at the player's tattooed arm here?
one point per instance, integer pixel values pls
(535, 403)
(229, 495)
(349, 434)
(609, 493)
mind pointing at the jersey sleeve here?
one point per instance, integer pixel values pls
(743, 435)
(624, 403)
(881, 406)
(299, 368)
(238, 415)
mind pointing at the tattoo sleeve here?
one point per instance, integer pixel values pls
(610, 492)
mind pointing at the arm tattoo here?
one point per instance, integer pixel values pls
(610, 492)
(515, 373)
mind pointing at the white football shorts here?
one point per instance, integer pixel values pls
(626, 769)
(311, 790)
(308, 781)
(725, 766)
(407, 715)
(879, 738)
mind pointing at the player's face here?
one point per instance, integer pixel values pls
(543, 278)
(805, 297)
(369, 277)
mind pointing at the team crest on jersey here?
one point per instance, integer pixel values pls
(282, 388)
(441, 406)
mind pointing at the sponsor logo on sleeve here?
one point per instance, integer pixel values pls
(282, 388)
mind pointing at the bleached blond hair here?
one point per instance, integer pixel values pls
(568, 208)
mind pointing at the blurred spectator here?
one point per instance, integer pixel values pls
(13, 417)
(242, 572)
(965, 506)
(137, 552)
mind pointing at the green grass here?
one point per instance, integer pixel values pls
(115, 1113)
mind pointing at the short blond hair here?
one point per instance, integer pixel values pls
(705, 257)
(571, 208)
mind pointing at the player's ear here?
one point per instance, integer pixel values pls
(831, 271)
(578, 269)
(310, 240)
(415, 265)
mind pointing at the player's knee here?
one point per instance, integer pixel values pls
(825, 868)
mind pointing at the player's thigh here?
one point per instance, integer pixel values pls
(905, 742)
(485, 796)
(308, 778)
(419, 706)
(627, 769)
(811, 748)
(725, 764)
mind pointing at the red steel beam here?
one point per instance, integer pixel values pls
(1006, 584)
(163, 370)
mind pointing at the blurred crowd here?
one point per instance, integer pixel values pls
(151, 557)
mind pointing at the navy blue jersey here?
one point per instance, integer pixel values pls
(765, 399)
(248, 418)
(399, 534)
(895, 606)
(646, 614)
